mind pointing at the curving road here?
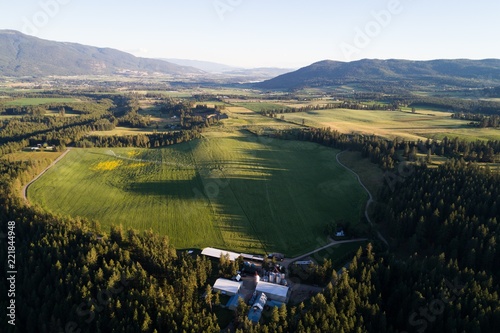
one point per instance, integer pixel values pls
(25, 187)
(370, 200)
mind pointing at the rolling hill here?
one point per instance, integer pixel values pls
(397, 72)
(23, 55)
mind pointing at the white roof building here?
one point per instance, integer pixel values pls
(227, 287)
(216, 253)
(273, 291)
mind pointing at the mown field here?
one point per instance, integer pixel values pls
(229, 190)
(390, 124)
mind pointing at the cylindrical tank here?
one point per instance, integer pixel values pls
(278, 278)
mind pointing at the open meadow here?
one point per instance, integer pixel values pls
(39, 101)
(231, 190)
(421, 125)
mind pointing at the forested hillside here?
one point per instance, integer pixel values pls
(440, 273)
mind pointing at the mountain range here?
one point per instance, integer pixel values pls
(397, 72)
(23, 55)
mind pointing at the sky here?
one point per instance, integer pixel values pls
(267, 33)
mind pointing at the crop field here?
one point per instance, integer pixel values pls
(39, 101)
(261, 106)
(67, 113)
(31, 156)
(121, 131)
(390, 124)
(229, 190)
(244, 118)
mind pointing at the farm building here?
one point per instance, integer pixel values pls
(273, 291)
(256, 310)
(227, 287)
(216, 253)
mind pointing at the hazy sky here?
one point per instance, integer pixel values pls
(257, 33)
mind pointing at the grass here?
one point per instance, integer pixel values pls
(390, 124)
(33, 156)
(371, 175)
(121, 131)
(67, 113)
(232, 191)
(261, 106)
(39, 101)
(469, 134)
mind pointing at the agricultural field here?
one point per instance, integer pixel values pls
(230, 190)
(122, 131)
(261, 106)
(67, 113)
(39, 101)
(31, 156)
(390, 124)
(243, 118)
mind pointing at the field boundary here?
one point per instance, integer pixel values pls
(25, 187)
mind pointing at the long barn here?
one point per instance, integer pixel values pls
(217, 253)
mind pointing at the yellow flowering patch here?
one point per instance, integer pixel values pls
(133, 153)
(137, 165)
(107, 166)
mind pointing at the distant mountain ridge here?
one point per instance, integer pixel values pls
(206, 66)
(332, 73)
(238, 73)
(23, 55)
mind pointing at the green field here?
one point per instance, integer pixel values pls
(261, 106)
(228, 190)
(39, 101)
(390, 124)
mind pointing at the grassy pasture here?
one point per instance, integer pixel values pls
(241, 117)
(67, 113)
(261, 106)
(30, 155)
(468, 134)
(412, 126)
(227, 190)
(121, 131)
(39, 101)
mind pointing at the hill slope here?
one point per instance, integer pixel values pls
(22, 55)
(332, 73)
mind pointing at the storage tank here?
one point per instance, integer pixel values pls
(278, 279)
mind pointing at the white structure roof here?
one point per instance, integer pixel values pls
(216, 253)
(228, 287)
(272, 289)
